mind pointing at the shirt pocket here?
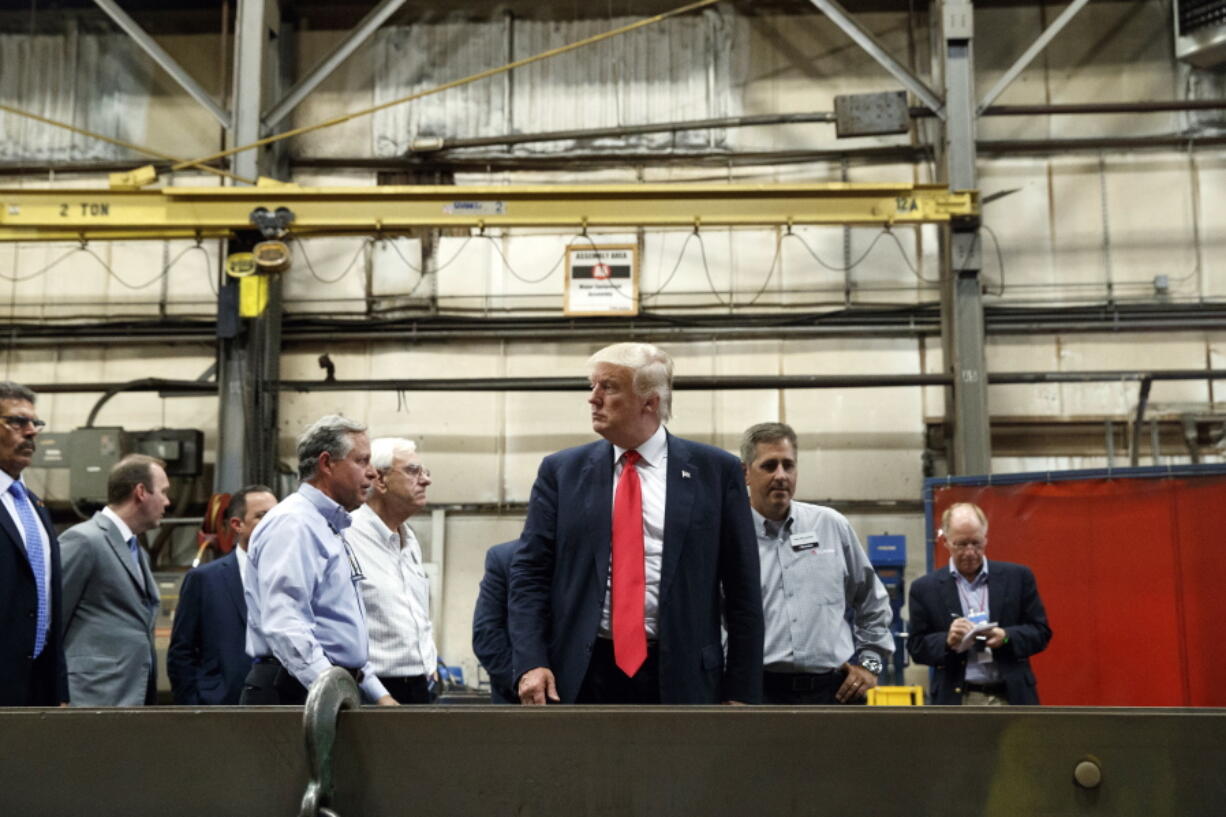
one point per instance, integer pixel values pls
(815, 574)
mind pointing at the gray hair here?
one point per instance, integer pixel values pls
(383, 451)
(332, 434)
(652, 367)
(765, 433)
(15, 391)
(966, 506)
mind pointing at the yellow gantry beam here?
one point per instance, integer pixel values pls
(189, 212)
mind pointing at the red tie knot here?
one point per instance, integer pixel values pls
(631, 457)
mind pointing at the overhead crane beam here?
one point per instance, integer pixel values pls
(191, 212)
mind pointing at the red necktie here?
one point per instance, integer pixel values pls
(629, 580)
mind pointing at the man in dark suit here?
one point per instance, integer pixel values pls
(617, 598)
(207, 661)
(110, 597)
(32, 669)
(977, 624)
(491, 640)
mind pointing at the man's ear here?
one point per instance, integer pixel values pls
(653, 404)
(236, 527)
(325, 463)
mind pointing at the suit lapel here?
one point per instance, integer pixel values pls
(9, 529)
(949, 594)
(678, 503)
(232, 578)
(996, 593)
(598, 507)
(120, 548)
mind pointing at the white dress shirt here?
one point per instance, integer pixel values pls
(397, 596)
(653, 479)
(125, 532)
(240, 553)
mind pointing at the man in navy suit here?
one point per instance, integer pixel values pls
(952, 607)
(207, 661)
(32, 667)
(491, 640)
(617, 598)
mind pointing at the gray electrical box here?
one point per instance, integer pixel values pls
(871, 114)
(91, 453)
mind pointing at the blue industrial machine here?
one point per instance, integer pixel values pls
(888, 555)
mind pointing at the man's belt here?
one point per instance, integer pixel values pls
(356, 674)
(799, 681)
(997, 688)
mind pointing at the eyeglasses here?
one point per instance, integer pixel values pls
(19, 423)
(966, 545)
(417, 471)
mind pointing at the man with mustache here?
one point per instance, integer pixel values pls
(813, 571)
(304, 608)
(32, 667)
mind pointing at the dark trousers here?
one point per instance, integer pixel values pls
(270, 684)
(42, 689)
(606, 684)
(803, 688)
(412, 689)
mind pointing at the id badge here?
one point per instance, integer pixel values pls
(804, 541)
(978, 617)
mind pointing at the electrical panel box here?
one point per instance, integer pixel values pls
(91, 453)
(871, 114)
(51, 451)
(181, 448)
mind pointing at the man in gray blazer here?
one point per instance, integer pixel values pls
(110, 597)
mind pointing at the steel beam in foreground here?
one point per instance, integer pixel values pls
(656, 762)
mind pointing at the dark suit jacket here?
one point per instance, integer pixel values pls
(207, 661)
(1013, 602)
(559, 574)
(19, 610)
(491, 639)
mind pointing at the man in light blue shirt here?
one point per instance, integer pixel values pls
(813, 571)
(304, 606)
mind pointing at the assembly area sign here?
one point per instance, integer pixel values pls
(602, 280)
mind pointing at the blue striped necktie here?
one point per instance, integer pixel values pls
(134, 548)
(34, 551)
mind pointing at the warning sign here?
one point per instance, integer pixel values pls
(602, 280)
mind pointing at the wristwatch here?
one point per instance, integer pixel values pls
(870, 662)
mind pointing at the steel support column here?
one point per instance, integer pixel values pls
(249, 362)
(962, 297)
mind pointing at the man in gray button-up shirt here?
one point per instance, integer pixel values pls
(813, 571)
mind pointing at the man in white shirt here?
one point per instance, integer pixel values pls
(397, 589)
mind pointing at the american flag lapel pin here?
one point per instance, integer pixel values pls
(685, 474)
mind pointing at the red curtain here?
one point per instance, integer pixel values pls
(1133, 578)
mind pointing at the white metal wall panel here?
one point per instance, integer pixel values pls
(99, 82)
(672, 70)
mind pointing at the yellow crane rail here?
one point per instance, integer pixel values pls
(28, 214)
